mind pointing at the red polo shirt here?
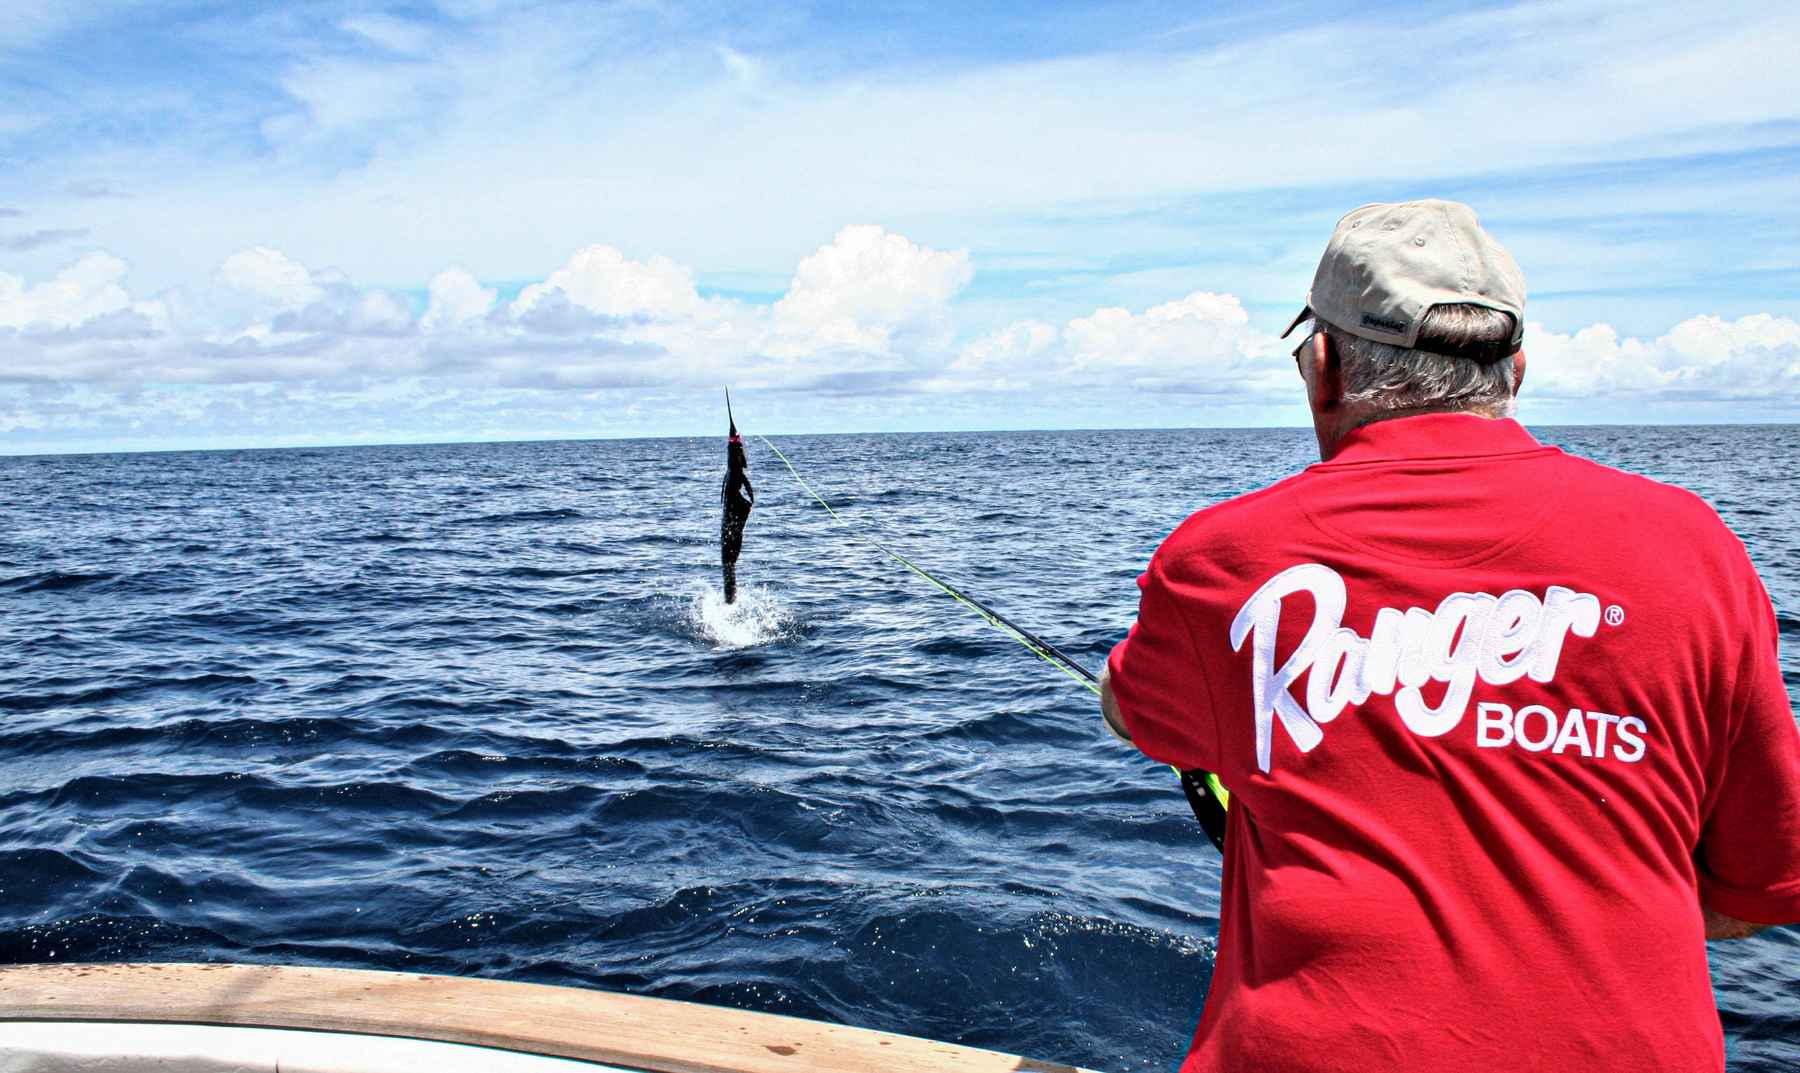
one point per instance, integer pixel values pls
(1496, 720)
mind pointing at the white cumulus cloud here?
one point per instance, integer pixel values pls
(1007, 359)
(867, 285)
(456, 297)
(1202, 326)
(86, 289)
(1200, 344)
(603, 280)
(1702, 358)
(270, 274)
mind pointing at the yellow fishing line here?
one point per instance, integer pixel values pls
(1042, 651)
(1079, 674)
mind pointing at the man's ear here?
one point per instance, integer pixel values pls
(1325, 385)
(1518, 370)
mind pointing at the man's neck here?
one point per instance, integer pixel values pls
(1332, 434)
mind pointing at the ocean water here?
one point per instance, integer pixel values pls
(479, 709)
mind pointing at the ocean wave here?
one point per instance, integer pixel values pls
(463, 764)
(525, 517)
(213, 685)
(56, 581)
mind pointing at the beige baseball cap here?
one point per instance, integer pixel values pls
(1387, 265)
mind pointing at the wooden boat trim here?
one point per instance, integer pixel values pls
(649, 1034)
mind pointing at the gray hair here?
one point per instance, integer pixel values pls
(1384, 377)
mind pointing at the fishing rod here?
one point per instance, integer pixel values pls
(1206, 795)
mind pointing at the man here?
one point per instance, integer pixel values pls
(1504, 729)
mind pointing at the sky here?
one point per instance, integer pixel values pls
(246, 224)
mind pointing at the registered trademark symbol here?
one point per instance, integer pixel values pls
(1614, 614)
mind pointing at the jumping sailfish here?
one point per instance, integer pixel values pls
(739, 497)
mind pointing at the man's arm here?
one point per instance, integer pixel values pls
(1109, 707)
(1152, 694)
(1720, 926)
(1749, 851)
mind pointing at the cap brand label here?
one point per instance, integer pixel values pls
(1370, 320)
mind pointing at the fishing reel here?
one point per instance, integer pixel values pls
(1209, 799)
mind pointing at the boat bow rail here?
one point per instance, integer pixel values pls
(56, 1017)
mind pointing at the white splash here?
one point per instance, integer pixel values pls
(757, 617)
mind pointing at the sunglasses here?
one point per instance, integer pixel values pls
(1304, 343)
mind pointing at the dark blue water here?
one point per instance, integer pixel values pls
(476, 709)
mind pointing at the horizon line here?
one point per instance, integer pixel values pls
(82, 453)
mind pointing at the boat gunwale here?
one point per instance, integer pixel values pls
(637, 1032)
